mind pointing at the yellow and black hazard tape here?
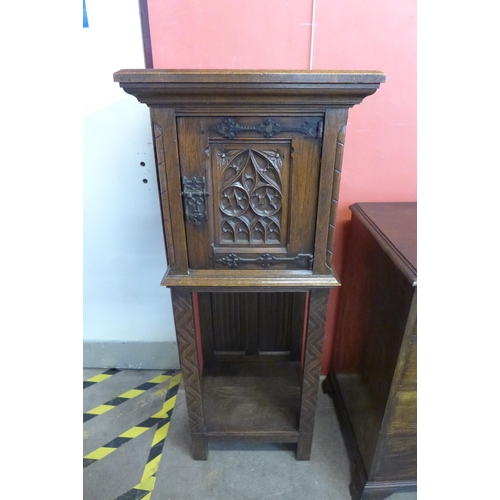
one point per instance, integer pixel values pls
(100, 377)
(144, 489)
(161, 419)
(131, 394)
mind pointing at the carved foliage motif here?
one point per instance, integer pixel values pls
(250, 195)
(233, 260)
(268, 128)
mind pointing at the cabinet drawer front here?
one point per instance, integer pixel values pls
(254, 200)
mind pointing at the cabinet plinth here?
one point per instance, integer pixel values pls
(249, 166)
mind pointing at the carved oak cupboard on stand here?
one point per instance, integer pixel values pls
(249, 167)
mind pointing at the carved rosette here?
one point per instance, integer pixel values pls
(250, 195)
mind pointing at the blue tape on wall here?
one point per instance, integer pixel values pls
(85, 20)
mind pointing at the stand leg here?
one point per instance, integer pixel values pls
(304, 446)
(188, 354)
(199, 447)
(318, 302)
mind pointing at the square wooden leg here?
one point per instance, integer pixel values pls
(318, 302)
(191, 376)
(304, 446)
(199, 447)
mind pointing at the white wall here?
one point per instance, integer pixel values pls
(124, 256)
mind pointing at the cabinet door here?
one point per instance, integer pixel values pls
(250, 189)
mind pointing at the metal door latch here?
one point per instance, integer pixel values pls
(194, 195)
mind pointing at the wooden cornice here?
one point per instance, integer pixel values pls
(276, 88)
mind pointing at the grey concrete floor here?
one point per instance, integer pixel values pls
(232, 471)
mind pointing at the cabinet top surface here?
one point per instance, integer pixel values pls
(248, 76)
(394, 226)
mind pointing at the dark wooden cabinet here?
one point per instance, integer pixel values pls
(374, 385)
(249, 166)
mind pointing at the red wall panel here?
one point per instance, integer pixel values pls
(229, 34)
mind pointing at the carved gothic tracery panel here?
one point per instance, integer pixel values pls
(250, 195)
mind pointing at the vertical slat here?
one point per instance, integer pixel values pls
(250, 316)
(297, 325)
(275, 312)
(206, 325)
(227, 323)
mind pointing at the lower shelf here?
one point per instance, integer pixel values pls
(252, 400)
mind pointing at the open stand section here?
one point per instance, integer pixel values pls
(259, 400)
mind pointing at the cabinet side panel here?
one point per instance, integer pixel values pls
(168, 172)
(408, 380)
(335, 119)
(339, 154)
(375, 305)
(398, 459)
(356, 278)
(164, 201)
(395, 455)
